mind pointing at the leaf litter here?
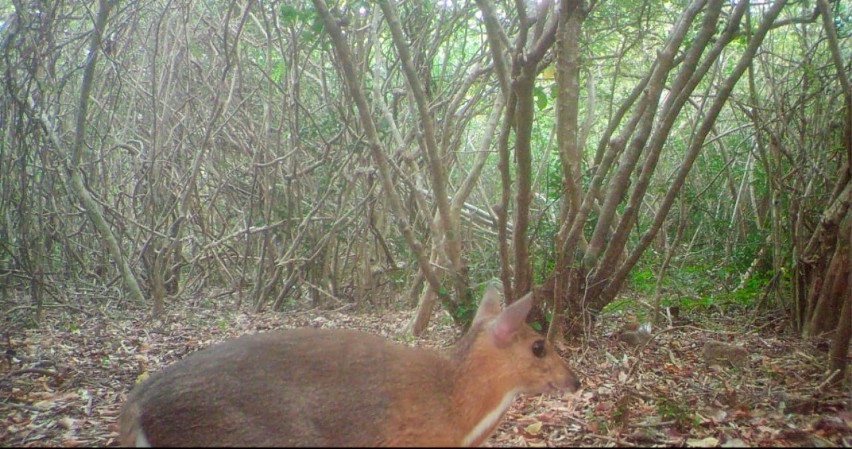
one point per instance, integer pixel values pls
(63, 384)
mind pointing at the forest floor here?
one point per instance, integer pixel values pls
(63, 383)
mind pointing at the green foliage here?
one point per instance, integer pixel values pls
(278, 70)
(701, 282)
(843, 19)
(289, 14)
(643, 280)
(537, 326)
(740, 40)
(465, 311)
(399, 278)
(484, 263)
(619, 305)
(404, 337)
(73, 327)
(678, 412)
(748, 294)
(445, 319)
(304, 14)
(541, 98)
(602, 423)
(553, 177)
(544, 256)
(626, 305)
(620, 412)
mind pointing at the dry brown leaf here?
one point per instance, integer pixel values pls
(534, 428)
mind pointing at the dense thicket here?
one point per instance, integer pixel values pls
(329, 152)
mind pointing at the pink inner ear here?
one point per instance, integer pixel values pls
(511, 319)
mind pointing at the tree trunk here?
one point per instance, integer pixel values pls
(838, 354)
(840, 346)
(89, 204)
(567, 134)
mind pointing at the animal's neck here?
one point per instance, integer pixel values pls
(480, 401)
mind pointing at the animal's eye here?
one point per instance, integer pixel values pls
(538, 348)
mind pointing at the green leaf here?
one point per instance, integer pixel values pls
(289, 14)
(540, 98)
(278, 71)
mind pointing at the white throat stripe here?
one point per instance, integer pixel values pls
(490, 419)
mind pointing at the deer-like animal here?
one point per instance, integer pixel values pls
(323, 387)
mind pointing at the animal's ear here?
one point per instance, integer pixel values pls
(510, 320)
(489, 307)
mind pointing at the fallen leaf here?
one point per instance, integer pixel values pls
(704, 442)
(45, 404)
(67, 423)
(534, 428)
(734, 442)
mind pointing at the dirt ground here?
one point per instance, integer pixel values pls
(63, 383)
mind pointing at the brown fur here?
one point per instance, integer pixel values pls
(319, 387)
(716, 352)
